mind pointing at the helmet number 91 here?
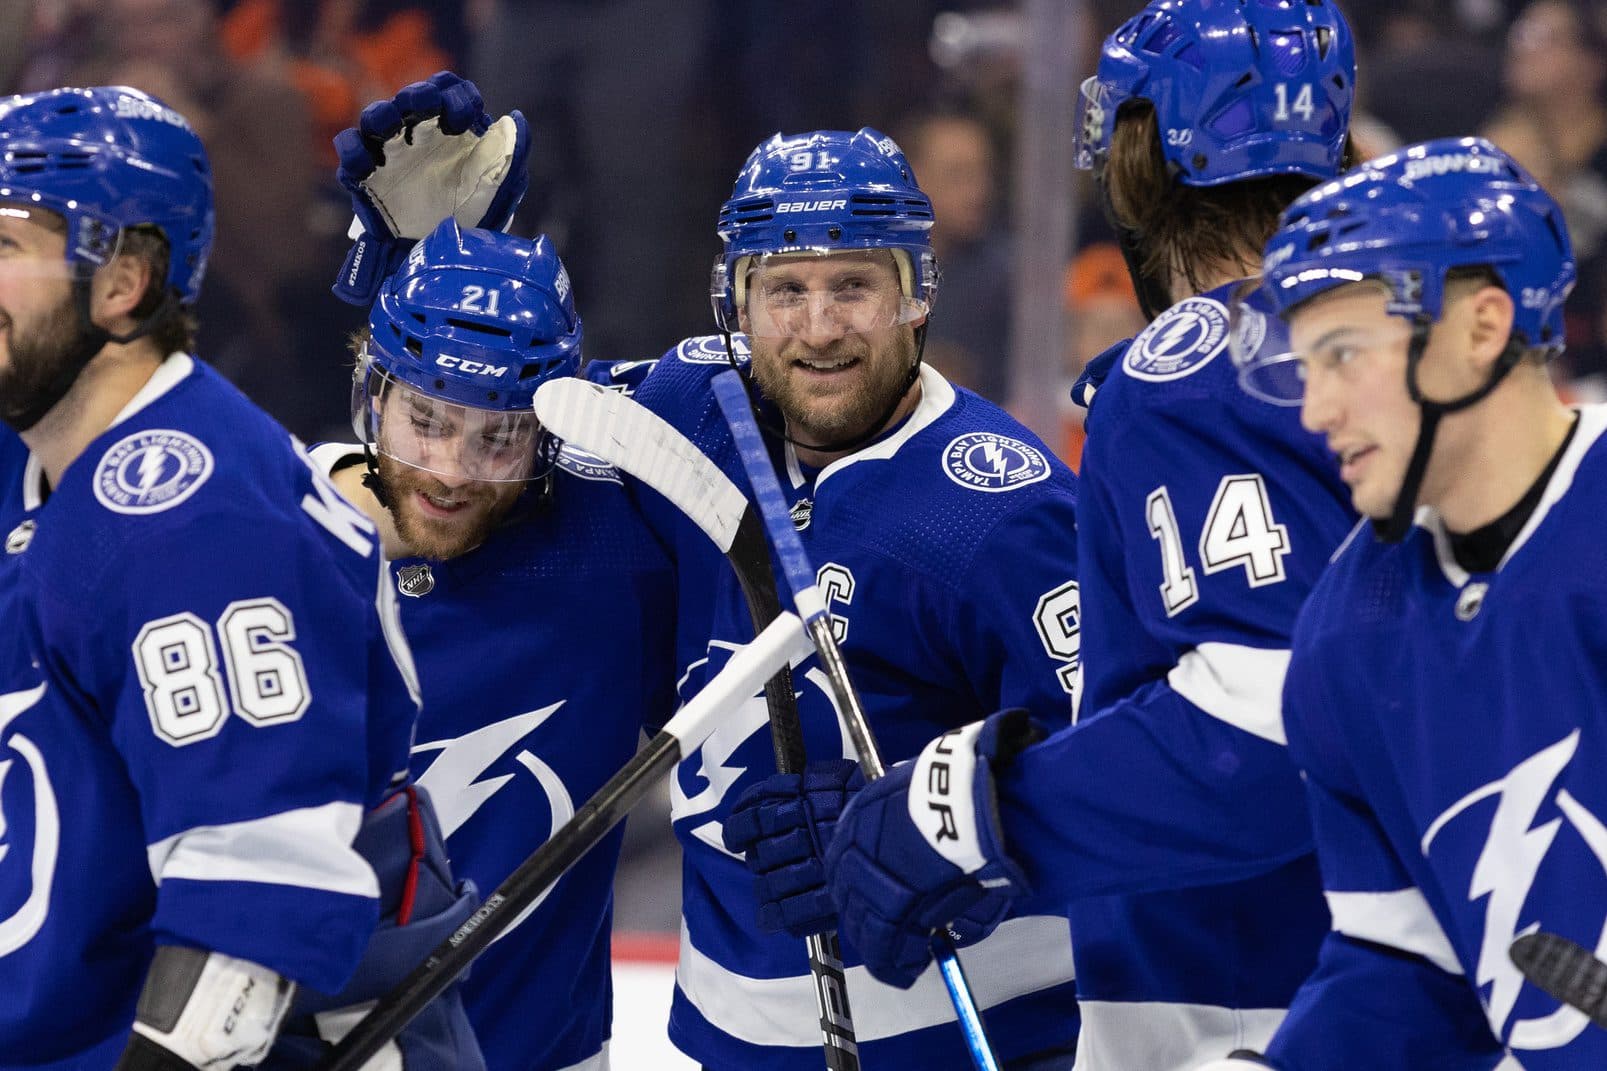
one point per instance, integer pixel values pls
(480, 299)
(1302, 105)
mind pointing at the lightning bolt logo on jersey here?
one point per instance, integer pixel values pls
(938, 632)
(1454, 763)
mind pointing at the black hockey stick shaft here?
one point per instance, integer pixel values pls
(1564, 969)
(640, 443)
(750, 560)
(778, 644)
(732, 395)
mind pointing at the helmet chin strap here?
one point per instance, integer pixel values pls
(1393, 528)
(90, 340)
(839, 446)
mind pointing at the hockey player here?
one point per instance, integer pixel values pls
(1446, 688)
(1169, 820)
(534, 598)
(205, 701)
(940, 528)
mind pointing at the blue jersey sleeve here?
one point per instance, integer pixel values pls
(1184, 656)
(1388, 989)
(1018, 631)
(237, 690)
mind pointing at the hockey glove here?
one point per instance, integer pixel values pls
(781, 826)
(205, 1010)
(921, 850)
(429, 152)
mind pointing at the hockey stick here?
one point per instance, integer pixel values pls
(637, 441)
(1565, 970)
(732, 395)
(778, 645)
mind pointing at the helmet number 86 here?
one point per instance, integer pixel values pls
(1302, 105)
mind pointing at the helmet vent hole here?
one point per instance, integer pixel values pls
(834, 233)
(790, 235)
(1244, 80)
(484, 329)
(1339, 82)
(1324, 39)
(415, 347)
(440, 384)
(1164, 35)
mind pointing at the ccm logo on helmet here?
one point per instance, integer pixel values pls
(810, 206)
(474, 368)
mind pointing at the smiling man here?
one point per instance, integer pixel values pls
(533, 596)
(944, 535)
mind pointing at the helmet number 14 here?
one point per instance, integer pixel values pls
(1302, 105)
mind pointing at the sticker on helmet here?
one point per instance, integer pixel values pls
(710, 349)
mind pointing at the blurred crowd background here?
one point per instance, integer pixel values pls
(643, 110)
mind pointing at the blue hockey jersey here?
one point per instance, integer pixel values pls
(540, 654)
(190, 659)
(1171, 816)
(1453, 729)
(946, 551)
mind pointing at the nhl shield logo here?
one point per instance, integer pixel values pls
(415, 581)
(983, 461)
(1471, 600)
(151, 471)
(1184, 339)
(801, 512)
(20, 537)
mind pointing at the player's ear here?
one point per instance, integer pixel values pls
(1489, 324)
(118, 288)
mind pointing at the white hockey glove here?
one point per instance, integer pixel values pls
(206, 1011)
(429, 152)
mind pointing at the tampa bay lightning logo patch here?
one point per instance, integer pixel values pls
(577, 462)
(1184, 339)
(150, 471)
(710, 349)
(984, 461)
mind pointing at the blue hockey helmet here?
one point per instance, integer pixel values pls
(1242, 89)
(106, 159)
(462, 335)
(821, 193)
(1409, 218)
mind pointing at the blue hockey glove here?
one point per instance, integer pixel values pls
(429, 152)
(781, 826)
(1095, 372)
(921, 850)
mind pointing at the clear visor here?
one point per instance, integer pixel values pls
(1088, 141)
(825, 294)
(29, 248)
(445, 438)
(1268, 370)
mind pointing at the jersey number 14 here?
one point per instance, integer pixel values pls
(1239, 531)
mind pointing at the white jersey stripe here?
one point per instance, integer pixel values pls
(1024, 955)
(1240, 685)
(1156, 1036)
(310, 847)
(1400, 919)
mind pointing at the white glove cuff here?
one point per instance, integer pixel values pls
(212, 1010)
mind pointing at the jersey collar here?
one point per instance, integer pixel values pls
(937, 398)
(1592, 423)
